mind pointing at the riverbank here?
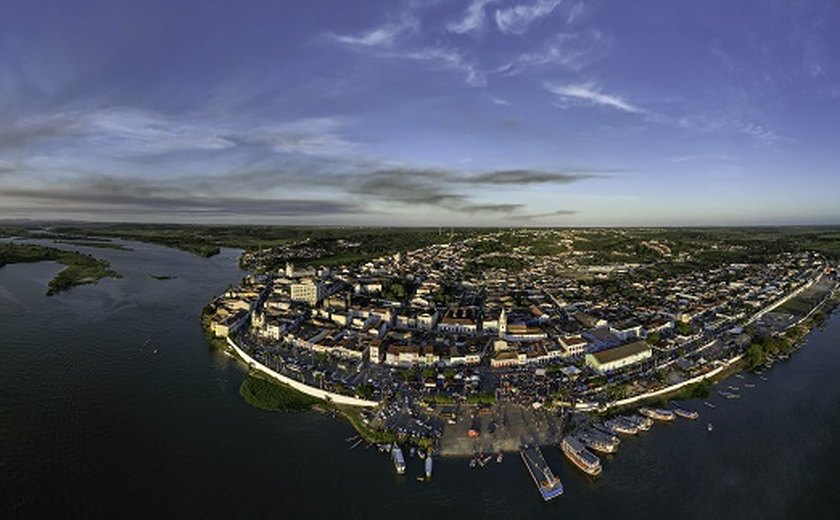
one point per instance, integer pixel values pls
(784, 342)
(79, 268)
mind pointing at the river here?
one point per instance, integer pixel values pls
(95, 423)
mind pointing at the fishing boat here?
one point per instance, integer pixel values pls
(499, 458)
(428, 466)
(710, 405)
(709, 427)
(729, 395)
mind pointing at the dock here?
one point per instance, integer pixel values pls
(547, 484)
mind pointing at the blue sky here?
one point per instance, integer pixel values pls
(448, 112)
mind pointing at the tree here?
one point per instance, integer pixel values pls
(755, 356)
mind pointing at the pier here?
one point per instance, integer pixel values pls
(547, 484)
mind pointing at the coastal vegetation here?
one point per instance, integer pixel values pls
(268, 395)
(369, 434)
(80, 268)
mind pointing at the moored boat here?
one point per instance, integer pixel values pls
(686, 414)
(660, 414)
(428, 466)
(643, 423)
(399, 460)
(613, 426)
(598, 441)
(580, 456)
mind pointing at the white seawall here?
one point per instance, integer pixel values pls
(297, 385)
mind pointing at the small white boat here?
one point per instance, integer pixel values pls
(709, 427)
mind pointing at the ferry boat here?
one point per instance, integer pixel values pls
(428, 466)
(547, 484)
(399, 460)
(659, 414)
(686, 414)
(580, 456)
(598, 441)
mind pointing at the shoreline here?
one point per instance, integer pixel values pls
(348, 407)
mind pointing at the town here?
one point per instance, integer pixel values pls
(481, 345)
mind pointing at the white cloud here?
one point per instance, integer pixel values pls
(500, 101)
(448, 59)
(517, 19)
(573, 51)
(589, 93)
(382, 36)
(130, 133)
(473, 20)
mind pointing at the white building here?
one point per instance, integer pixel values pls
(619, 357)
(573, 345)
(308, 291)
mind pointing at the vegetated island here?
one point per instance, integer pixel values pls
(81, 268)
(102, 244)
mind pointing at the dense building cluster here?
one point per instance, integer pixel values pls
(474, 304)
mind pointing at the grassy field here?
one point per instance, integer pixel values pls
(81, 269)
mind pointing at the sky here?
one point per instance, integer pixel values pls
(421, 112)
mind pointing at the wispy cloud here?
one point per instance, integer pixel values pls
(444, 188)
(529, 177)
(570, 50)
(517, 19)
(537, 216)
(127, 132)
(589, 93)
(108, 196)
(760, 134)
(450, 59)
(473, 20)
(382, 36)
(383, 42)
(499, 101)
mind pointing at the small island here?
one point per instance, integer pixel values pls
(81, 268)
(162, 276)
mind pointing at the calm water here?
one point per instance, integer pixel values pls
(92, 424)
